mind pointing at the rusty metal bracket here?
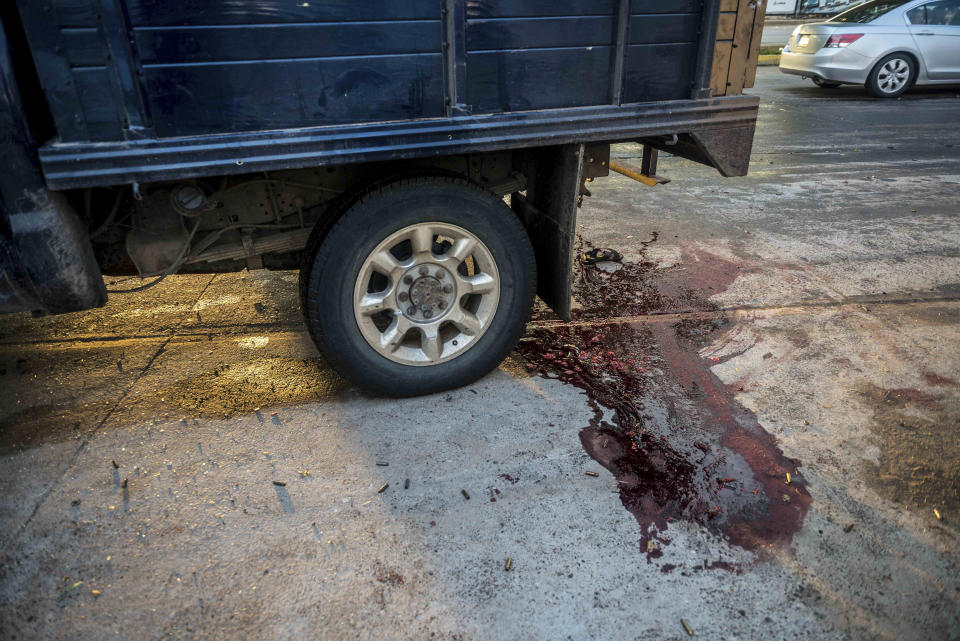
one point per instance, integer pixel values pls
(647, 173)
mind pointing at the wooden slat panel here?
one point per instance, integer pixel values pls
(659, 6)
(83, 47)
(527, 33)
(754, 55)
(659, 72)
(728, 5)
(725, 26)
(154, 13)
(533, 8)
(98, 103)
(268, 42)
(746, 12)
(228, 97)
(73, 13)
(538, 79)
(648, 29)
(721, 67)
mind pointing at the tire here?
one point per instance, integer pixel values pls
(891, 76)
(335, 210)
(470, 334)
(825, 84)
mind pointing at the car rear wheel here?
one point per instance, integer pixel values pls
(825, 84)
(891, 76)
(422, 285)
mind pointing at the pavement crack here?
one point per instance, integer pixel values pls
(84, 441)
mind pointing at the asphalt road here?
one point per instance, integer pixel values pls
(802, 320)
(776, 32)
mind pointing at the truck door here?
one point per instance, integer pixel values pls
(935, 27)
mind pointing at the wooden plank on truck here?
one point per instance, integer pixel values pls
(746, 13)
(755, 40)
(725, 25)
(721, 67)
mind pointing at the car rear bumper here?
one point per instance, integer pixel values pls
(838, 65)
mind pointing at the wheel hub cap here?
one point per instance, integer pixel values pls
(430, 295)
(426, 294)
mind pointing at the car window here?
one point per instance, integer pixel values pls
(941, 12)
(868, 11)
(918, 15)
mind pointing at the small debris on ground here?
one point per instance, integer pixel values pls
(116, 465)
(936, 513)
(848, 527)
(406, 484)
(589, 473)
(383, 488)
(69, 588)
(96, 592)
(686, 626)
(280, 483)
(383, 463)
(508, 564)
(600, 254)
(465, 495)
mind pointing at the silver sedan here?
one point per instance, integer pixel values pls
(886, 45)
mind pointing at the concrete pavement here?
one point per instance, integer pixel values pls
(804, 319)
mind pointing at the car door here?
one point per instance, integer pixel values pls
(935, 27)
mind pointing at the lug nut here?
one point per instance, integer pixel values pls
(411, 311)
(407, 279)
(442, 305)
(402, 297)
(423, 270)
(447, 289)
(427, 313)
(440, 274)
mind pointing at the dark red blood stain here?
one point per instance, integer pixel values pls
(703, 273)
(662, 479)
(509, 479)
(667, 568)
(719, 565)
(741, 433)
(935, 379)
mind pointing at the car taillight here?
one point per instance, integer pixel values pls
(842, 40)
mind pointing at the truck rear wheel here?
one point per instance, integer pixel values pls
(423, 284)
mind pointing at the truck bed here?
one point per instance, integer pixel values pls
(143, 90)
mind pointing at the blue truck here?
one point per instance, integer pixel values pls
(419, 161)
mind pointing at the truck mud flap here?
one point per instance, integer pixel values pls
(46, 260)
(549, 213)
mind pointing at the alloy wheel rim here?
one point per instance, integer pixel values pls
(426, 294)
(893, 75)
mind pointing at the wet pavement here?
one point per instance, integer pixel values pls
(180, 465)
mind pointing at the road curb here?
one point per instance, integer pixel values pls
(768, 60)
